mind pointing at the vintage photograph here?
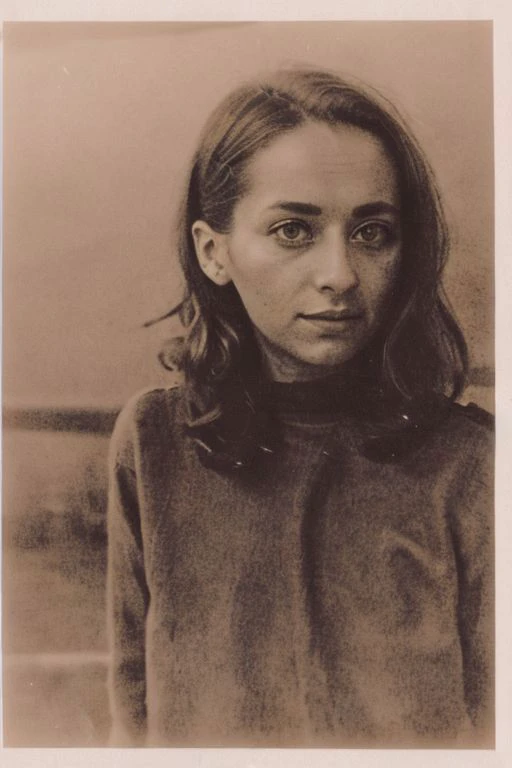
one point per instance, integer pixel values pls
(248, 385)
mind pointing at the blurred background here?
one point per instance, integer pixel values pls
(100, 121)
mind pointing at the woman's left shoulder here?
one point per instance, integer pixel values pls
(475, 414)
(470, 424)
(465, 437)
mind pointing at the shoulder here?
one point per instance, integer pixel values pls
(469, 426)
(471, 435)
(150, 404)
(475, 414)
(438, 434)
(463, 446)
(149, 418)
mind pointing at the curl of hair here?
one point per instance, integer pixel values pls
(418, 354)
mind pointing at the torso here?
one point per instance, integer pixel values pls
(314, 599)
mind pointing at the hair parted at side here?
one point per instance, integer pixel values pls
(419, 353)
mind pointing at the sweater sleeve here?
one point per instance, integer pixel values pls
(127, 593)
(474, 541)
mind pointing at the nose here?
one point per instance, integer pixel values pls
(334, 271)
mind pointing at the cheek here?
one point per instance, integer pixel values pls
(379, 282)
(390, 274)
(261, 282)
(257, 293)
(263, 304)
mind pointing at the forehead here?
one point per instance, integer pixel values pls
(315, 162)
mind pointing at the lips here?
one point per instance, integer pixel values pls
(333, 315)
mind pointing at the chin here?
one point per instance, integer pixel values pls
(315, 366)
(331, 358)
(309, 361)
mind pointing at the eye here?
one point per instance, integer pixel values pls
(292, 233)
(374, 234)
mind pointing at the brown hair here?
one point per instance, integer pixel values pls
(419, 352)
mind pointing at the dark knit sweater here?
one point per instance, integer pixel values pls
(320, 598)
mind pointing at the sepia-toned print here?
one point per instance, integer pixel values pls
(283, 269)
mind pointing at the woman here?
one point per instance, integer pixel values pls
(299, 535)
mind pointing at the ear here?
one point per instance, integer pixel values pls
(212, 252)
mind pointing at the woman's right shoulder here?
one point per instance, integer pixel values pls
(150, 418)
(148, 404)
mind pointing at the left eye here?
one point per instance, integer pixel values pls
(373, 233)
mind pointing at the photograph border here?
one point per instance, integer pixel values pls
(150, 10)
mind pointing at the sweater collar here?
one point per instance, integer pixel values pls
(322, 399)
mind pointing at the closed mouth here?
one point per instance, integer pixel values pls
(333, 315)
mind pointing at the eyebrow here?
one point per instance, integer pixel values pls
(308, 209)
(374, 209)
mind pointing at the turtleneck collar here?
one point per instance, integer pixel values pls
(319, 400)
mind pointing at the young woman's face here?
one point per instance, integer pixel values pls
(314, 248)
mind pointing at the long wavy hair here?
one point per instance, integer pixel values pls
(419, 352)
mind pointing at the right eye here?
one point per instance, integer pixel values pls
(292, 233)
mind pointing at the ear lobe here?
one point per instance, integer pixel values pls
(211, 252)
